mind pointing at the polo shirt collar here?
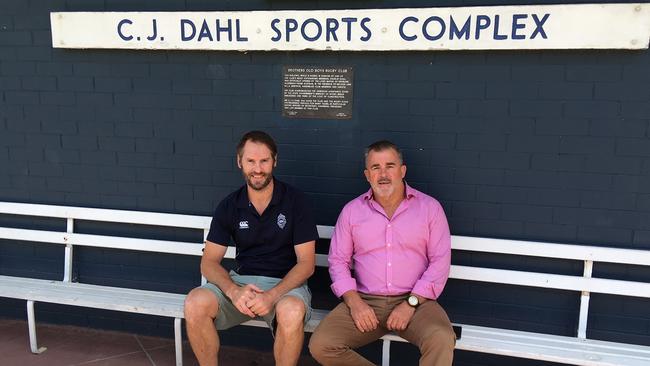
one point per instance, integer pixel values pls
(278, 192)
(410, 192)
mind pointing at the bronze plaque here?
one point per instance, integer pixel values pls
(317, 92)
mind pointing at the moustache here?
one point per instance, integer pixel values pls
(383, 180)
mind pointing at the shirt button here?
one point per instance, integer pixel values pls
(388, 245)
(388, 264)
(388, 225)
(389, 284)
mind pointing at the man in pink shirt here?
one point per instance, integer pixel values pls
(389, 260)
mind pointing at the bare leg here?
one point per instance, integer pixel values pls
(289, 336)
(201, 307)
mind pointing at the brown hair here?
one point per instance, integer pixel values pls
(381, 146)
(259, 137)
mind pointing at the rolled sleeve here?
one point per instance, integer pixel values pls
(340, 255)
(425, 289)
(344, 285)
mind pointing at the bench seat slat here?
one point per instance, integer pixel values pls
(61, 289)
(480, 339)
(554, 341)
(552, 348)
(93, 296)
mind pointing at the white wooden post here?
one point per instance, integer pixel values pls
(31, 323)
(205, 237)
(67, 261)
(584, 303)
(178, 341)
(385, 353)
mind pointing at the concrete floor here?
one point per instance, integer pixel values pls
(67, 346)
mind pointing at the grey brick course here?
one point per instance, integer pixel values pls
(57, 98)
(236, 87)
(16, 38)
(38, 83)
(112, 84)
(566, 91)
(39, 53)
(191, 86)
(593, 73)
(10, 83)
(511, 90)
(54, 68)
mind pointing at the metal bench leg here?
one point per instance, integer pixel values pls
(178, 341)
(31, 322)
(385, 353)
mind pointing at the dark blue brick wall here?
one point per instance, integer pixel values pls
(533, 145)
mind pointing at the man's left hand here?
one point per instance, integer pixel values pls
(261, 304)
(400, 317)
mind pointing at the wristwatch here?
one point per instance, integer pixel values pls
(413, 301)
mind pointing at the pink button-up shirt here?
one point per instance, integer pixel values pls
(411, 252)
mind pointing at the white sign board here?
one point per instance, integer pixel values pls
(591, 26)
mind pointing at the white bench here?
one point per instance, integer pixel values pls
(576, 350)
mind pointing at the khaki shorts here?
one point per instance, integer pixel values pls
(229, 316)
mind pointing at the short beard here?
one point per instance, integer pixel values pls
(262, 185)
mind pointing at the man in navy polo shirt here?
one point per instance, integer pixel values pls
(275, 235)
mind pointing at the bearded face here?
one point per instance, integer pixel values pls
(256, 163)
(385, 172)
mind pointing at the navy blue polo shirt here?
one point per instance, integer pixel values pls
(265, 243)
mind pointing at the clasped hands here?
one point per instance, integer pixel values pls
(366, 320)
(251, 300)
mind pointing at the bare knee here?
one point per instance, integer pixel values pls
(200, 303)
(290, 313)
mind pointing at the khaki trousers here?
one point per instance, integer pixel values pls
(336, 337)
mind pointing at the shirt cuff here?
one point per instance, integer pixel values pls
(425, 289)
(342, 286)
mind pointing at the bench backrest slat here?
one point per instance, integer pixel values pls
(552, 250)
(106, 215)
(488, 245)
(102, 241)
(548, 280)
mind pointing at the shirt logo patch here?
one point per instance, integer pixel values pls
(243, 225)
(282, 221)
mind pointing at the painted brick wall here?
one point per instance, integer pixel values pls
(549, 146)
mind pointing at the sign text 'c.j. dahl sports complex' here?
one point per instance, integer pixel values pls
(588, 26)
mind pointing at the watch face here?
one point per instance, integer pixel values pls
(413, 300)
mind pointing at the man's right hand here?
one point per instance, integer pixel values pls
(240, 295)
(363, 315)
